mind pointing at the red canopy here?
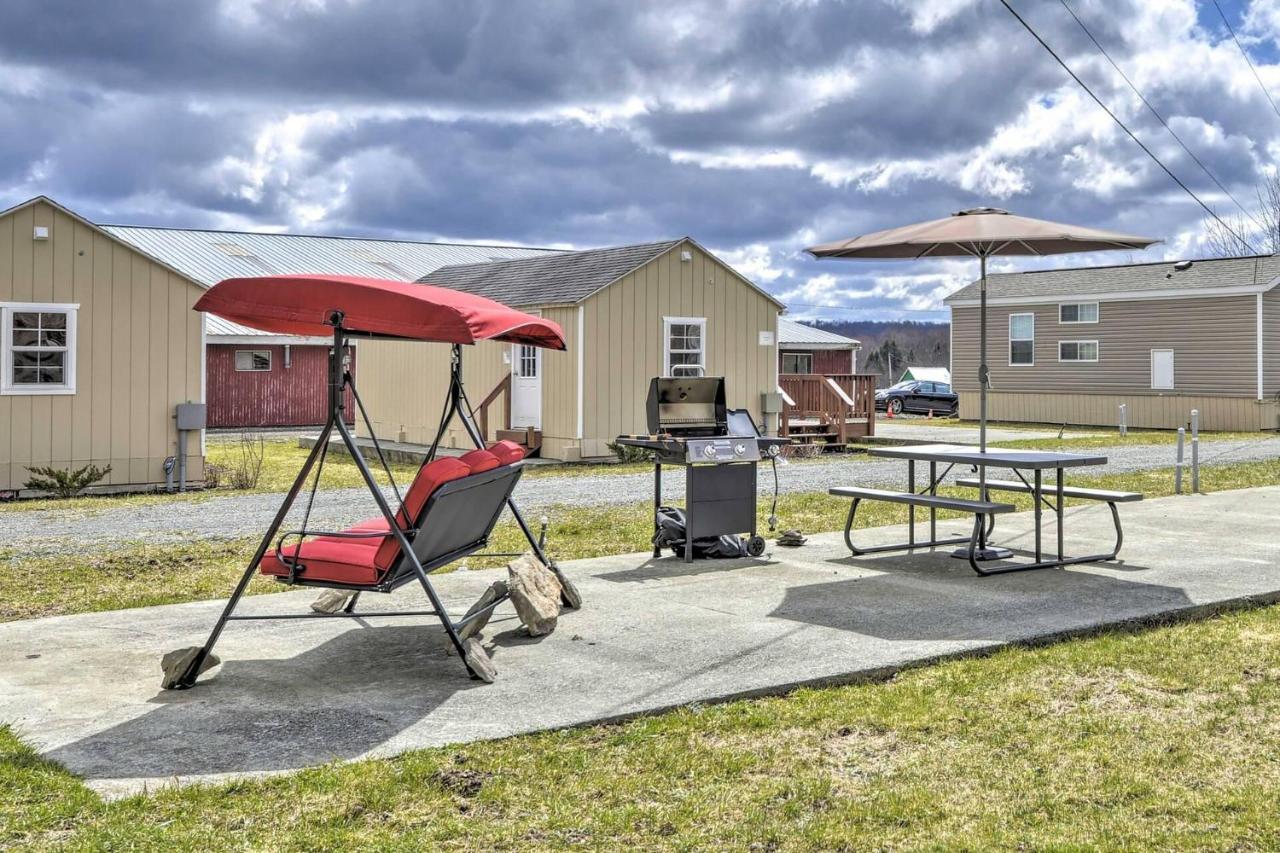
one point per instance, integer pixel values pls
(302, 305)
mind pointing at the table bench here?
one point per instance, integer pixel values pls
(981, 510)
(1111, 498)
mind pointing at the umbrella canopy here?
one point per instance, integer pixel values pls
(303, 304)
(980, 232)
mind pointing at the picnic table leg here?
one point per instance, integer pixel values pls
(911, 509)
(1059, 511)
(933, 511)
(1035, 496)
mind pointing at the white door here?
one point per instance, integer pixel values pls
(526, 387)
(1162, 369)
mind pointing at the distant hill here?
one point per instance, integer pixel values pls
(900, 343)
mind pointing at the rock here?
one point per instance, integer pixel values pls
(569, 594)
(470, 629)
(175, 663)
(479, 661)
(332, 600)
(535, 592)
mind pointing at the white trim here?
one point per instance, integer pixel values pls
(848, 401)
(1094, 360)
(1119, 295)
(68, 386)
(581, 370)
(667, 323)
(1097, 313)
(1008, 350)
(1261, 385)
(1174, 382)
(204, 396)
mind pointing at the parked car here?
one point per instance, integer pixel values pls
(913, 396)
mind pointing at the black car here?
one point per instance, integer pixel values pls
(918, 396)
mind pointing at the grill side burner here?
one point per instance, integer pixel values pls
(690, 426)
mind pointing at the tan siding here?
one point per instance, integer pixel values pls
(631, 349)
(403, 384)
(137, 342)
(1144, 411)
(1271, 343)
(1213, 340)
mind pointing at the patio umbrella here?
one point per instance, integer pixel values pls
(980, 233)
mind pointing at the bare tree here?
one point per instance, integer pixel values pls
(1249, 234)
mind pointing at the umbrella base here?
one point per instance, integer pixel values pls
(988, 552)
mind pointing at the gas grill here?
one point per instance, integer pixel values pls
(690, 426)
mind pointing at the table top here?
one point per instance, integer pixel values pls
(996, 457)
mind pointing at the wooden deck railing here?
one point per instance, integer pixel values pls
(845, 401)
(503, 388)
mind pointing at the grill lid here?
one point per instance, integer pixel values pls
(687, 406)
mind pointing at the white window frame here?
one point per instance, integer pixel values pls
(1009, 349)
(1096, 350)
(1097, 312)
(1173, 380)
(701, 323)
(7, 386)
(236, 358)
(798, 356)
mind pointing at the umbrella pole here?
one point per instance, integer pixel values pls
(982, 369)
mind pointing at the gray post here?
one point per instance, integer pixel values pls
(1195, 452)
(1177, 476)
(182, 460)
(1124, 420)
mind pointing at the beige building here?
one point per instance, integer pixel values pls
(98, 345)
(628, 313)
(1072, 345)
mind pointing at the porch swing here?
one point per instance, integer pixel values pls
(450, 508)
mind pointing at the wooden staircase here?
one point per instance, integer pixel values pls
(529, 438)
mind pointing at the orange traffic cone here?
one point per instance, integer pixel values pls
(888, 411)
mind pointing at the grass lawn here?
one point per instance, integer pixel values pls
(143, 575)
(1164, 738)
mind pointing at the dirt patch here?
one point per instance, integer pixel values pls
(1121, 692)
(856, 756)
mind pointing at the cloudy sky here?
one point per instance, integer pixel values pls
(756, 127)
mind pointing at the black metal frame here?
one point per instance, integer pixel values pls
(409, 566)
(977, 541)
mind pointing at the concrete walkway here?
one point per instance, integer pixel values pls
(654, 634)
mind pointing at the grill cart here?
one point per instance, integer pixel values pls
(719, 449)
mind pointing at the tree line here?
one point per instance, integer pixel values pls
(890, 347)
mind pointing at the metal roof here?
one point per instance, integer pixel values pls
(1159, 279)
(550, 279)
(208, 257)
(799, 334)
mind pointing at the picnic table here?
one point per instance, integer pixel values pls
(1035, 462)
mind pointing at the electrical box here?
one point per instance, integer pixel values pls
(191, 415)
(771, 403)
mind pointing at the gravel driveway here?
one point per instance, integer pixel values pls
(64, 531)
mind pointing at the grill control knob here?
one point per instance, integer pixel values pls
(739, 449)
(709, 451)
(774, 450)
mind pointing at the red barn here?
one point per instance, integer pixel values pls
(804, 349)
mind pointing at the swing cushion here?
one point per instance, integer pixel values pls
(365, 560)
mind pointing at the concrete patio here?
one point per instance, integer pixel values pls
(654, 634)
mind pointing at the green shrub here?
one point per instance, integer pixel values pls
(65, 483)
(626, 453)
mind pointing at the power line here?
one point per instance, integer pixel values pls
(1249, 61)
(1156, 113)
(1125, 127)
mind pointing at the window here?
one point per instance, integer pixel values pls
(1077, 350)
(1022, 340)
(1078, 312)
(685, 346)
(528, 362)
(797, 362)
(942, 388)
(253, 360)
(39, 348)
